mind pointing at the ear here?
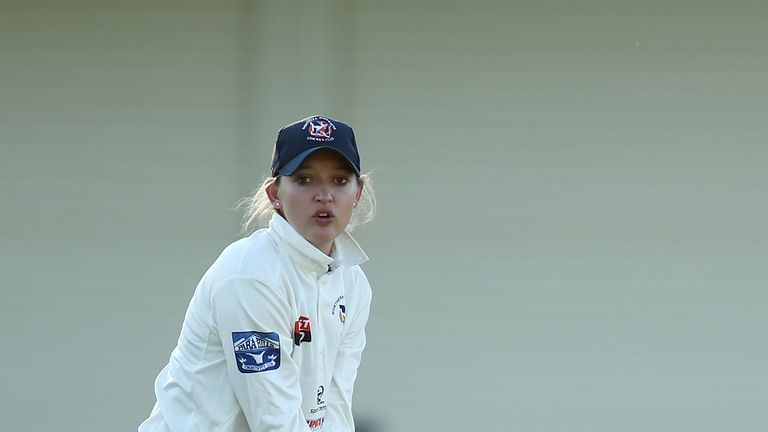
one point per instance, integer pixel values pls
(271, 191)
(359, 192)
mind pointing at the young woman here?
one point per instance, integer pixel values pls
(273, 335)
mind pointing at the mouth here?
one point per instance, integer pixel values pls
(323, 216)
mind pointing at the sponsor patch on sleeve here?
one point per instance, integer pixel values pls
(256, 351)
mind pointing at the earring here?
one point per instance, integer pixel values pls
(277, 204)
(354, 205)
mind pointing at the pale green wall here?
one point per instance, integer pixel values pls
(571, 231)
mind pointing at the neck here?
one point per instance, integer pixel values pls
(325, 248)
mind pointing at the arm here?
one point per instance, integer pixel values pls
(253, 323)
(339, 398)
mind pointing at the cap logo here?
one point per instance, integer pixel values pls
(319, 129)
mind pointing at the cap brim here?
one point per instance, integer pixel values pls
(292, 165)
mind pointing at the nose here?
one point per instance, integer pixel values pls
(323, 195)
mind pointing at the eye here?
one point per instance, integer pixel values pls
(342, 180)
(304, 179)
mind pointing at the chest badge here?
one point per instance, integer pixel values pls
(302, 331)
(342, 310)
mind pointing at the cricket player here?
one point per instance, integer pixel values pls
(274, 333)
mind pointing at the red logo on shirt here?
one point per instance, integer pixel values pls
(302, 331)
(315, 423)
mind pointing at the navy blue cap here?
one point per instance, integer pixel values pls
(298, 140)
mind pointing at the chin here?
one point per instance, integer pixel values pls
(324, 236)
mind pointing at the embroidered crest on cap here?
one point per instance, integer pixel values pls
(256, 351)
(302, 331)
(319, 129)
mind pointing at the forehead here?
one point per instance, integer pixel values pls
(326, 159)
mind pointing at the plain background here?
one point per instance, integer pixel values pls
(571, 233)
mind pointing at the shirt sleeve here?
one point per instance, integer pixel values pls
(253, 323)
(339, 399)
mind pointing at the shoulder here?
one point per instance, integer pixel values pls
(359, 275)
(358, 287)
(252, 257)
(255, 261)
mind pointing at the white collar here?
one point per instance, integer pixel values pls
(345, 250)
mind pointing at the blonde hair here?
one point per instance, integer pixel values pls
(259, 210)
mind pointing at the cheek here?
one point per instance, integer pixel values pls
(294, 195)
(349, 196)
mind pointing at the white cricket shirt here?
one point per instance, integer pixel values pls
(271, 340)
